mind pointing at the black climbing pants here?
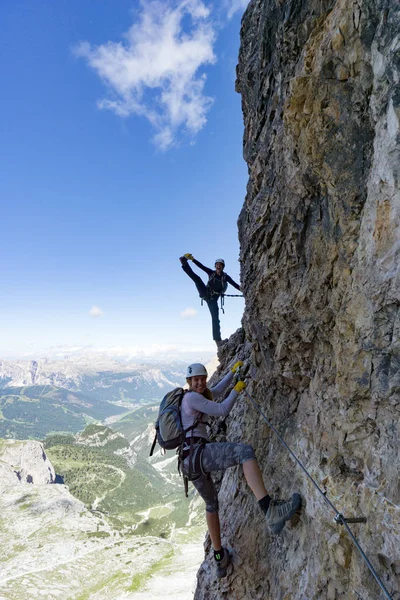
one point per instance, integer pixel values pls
(212, 302)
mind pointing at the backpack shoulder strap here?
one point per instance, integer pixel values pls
(153, 445)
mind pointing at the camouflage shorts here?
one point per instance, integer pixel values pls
(215, 457)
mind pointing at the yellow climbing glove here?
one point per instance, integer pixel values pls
(236, 366)
(189, 256)
(239, 387)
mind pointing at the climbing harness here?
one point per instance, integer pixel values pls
(339, 518)
(222, 296)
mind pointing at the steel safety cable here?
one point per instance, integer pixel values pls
(339, 518)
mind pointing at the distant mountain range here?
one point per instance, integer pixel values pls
(97, 377)
(42, 396)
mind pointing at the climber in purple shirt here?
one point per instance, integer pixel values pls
(216, 286)
(201, 458)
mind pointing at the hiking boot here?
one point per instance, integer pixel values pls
(280, 511)
(183, 260)
(222, 565)
(221, 342)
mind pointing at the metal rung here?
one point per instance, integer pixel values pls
(341, 519)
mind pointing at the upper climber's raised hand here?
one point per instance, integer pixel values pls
(236, 366)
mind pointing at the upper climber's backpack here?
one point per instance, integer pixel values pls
(170, 433)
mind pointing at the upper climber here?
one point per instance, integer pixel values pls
(216, 286)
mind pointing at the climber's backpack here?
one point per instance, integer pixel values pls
(170, 433)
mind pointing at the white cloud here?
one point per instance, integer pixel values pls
(188, 313)
(154, 72)
(233, 6)
(96, 312)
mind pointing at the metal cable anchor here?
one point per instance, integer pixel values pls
(340, 519)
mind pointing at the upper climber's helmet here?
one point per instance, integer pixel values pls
(196, 370)
(220, 260)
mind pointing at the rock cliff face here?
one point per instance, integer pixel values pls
(320, 256)
(24, 462)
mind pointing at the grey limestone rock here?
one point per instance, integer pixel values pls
(320, 258)
(24, 462)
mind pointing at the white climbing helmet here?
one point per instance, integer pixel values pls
(196, 370)
(220, 260)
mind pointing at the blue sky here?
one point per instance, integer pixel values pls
(121, 149)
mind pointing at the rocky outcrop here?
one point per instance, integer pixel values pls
(99, 436)
(24, 462)
(52, 546)
(320, 257)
